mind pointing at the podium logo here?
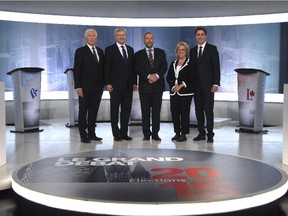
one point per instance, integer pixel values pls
(249, 94)
(33, 92)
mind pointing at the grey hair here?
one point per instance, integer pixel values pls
(88, 30)
(119, 30)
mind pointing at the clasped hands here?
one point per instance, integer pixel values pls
(178, 87)
(153, 78)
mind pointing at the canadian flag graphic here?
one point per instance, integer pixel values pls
(250, 94)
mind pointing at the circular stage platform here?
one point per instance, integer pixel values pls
(149, 182)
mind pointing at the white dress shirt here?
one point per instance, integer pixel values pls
(97, 56)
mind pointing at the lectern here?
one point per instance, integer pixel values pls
(251, 92)
(73, 99)
(26, 97)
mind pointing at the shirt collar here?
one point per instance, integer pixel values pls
(91, 46)
(119, 45)
(147, 49)
(203, 45)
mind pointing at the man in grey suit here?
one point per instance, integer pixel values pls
(89, 84)
(150, 65)
(120, 81)
(205, 61)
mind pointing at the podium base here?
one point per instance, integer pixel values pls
(241, 130)
(28, 131)
(70, 125)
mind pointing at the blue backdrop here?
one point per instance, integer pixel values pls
(52, 47)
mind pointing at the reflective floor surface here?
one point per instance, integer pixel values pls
(57, 139)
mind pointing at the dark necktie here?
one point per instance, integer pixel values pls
(124, 55)
(94, 53)
(200, 52)
(150, 57)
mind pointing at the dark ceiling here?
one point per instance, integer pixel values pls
(147, 9)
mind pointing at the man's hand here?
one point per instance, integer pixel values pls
(214, 88)
(109, 88)
(135, 87)
(79, 92)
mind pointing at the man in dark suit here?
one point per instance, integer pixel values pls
(205, 60)
(89, 84)
(150, 65)
(120, 81)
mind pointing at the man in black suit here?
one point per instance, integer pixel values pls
(120, 81)
(150, 65)
(89, 84)
(205, 60)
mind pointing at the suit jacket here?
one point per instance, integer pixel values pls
(116, 72)
(186, 75)
(143, 69)
(207, 67)
(88, 72)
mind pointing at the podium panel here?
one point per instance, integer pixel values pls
(285, 126)
(73, 99)
(2, 126)
(251, 92)
(26, 97)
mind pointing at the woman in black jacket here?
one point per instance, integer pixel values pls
(181, 79)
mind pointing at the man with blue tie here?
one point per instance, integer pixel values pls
(150, 65)
(120, 81)
(89, 83)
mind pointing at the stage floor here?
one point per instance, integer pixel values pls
(57, 140)
(150, 182)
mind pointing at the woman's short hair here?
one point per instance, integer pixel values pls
(182, 43)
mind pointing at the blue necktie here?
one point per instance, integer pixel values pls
(124, 55)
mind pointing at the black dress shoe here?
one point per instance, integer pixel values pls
(85, 140)
(117, 139)
(199, 137)
(156, 138)
(210, 140)
(128, 138)
(146, 138)
(182, 138)
(175, 137)
(95, 138)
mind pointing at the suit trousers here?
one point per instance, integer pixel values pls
(88, 110)
(150, 102)
(204, 106)
(123, 100)
(180, 112)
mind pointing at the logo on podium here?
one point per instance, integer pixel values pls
(250, 94)
(33, 92)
